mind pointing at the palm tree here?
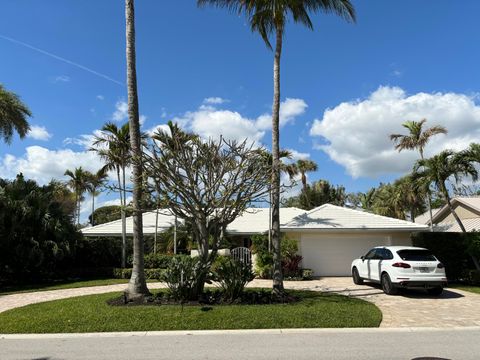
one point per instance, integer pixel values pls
(13, 116)
(94, 183)
(137, 286)
(113, 146)
(78, 183)
(303, 167)
(438, 170)
(267, 18)
(366, 199)
(417, 139)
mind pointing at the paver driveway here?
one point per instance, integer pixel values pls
(412, 308)
(455, 308)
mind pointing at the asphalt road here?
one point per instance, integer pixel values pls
(348, 344)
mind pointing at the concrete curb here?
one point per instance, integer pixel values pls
(235, 332)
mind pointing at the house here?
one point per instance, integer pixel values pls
(329, 236)
(467, 209)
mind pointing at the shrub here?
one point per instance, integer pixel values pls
(232, 276)
(263, 259)
(183, 276)
(307, 274)
(157, 261)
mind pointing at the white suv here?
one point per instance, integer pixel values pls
(397, 267)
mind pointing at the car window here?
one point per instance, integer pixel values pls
(416, 255)
(370, 255)
(378, 254)
(387, 254)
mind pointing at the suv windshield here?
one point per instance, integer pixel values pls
(416, 255)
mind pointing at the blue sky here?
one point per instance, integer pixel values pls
(348, 85)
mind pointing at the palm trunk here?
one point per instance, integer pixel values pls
(276, 237)
(93, 208)
(122, 214)
(124, 217)
(429, 200)
(137, 287)
(156, 233)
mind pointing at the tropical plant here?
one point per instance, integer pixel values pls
(319, 193)
(303, 167)
(13, 116)
(94, 183)
(113, 147)
(270, 18)
(37, 236)
(439, 169)
(232, 277)
(417, 139)
(78, 182)
(137, 286)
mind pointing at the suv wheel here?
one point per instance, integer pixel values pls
(436, 291)
(387, 286)
(357, 280)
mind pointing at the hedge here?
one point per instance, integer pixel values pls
(450, 249)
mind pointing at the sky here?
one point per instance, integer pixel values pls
(344, 87)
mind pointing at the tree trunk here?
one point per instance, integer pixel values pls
(276, 236)
(156, 232)
(122, 214)
(429, 200)
(93, 208)
(137, 287)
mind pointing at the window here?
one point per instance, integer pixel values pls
(386, 254)
(416, 255)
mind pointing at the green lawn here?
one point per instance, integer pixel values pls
(61, 285)
(474, 289)
(92, 314)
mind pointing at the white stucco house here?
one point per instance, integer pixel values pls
(329, 237)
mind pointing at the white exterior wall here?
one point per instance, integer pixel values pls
(331, 254)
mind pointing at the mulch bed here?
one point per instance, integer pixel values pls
(208, 298)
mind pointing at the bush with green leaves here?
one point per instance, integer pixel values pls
(232, 276)
(157, 261)
(184, 276)
(263, 258)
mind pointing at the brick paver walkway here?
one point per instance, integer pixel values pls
(455, 308)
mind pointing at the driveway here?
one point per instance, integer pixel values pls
(412, 308)
(455, 308)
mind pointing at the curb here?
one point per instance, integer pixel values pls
(235, 332)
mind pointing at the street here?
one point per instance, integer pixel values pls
(378, 344)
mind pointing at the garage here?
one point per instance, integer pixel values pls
(331, 255)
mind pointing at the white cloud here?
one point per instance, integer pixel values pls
(61, 78)
(356, 134)
(298, 155)
(142, 119)
(289, 110)
(210, 122)
(39, 133)
(121, 111)
(42, 164)
(215, 100)
(100, 97)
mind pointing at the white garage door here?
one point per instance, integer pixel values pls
(332, 256)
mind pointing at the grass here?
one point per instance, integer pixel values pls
(92, 314)
(70, 284)
(470, 288)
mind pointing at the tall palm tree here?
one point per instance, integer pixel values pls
(269, 18)
(438, 169)
(417, 139)
(78, 183)
(94, 183)
(303, 167)
(113, 146)
(13, 116)
(137, 286)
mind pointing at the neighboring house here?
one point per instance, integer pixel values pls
(329, 236)
(467, 209)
